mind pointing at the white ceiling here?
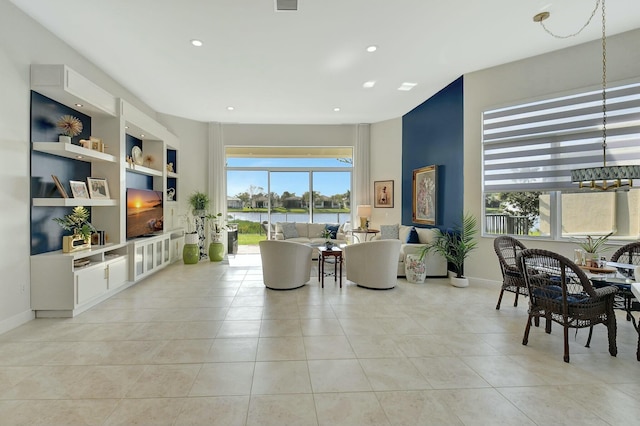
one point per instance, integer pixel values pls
(296, 67)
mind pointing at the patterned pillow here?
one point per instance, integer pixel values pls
(413, 237)
(333, 229)
(288, 229)
(390, 232)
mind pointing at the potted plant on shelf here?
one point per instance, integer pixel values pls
(77, 222)
(199, 202)
(456, 245)
(592, 248)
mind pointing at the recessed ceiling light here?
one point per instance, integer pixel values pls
(142, 136)
(196, 42)
(406, 86)
(230, 108)
(79, 105)
(369, 84)
(372, 48)
(336, 109)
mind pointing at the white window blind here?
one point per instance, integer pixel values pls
(534, 146)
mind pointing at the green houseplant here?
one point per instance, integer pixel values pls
(455, 245)
(77, 222)
(199, 202)
(592, 247)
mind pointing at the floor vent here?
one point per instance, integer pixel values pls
(282, 5)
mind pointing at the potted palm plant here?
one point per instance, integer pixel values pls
(455, 245)
(77, 222)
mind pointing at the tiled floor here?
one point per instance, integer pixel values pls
(207, 344)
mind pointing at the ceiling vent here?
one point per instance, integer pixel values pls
(282, 5)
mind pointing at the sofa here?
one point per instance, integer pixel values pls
(435, 262)
(309, 233)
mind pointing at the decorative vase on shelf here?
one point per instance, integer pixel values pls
(64, 139)
(415, 269)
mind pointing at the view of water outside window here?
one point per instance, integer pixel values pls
(264, 191)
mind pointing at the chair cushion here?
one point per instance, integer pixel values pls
(288, 229)
(390, 232)
(413, 237)
(333, 230)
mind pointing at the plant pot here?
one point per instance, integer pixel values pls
(216, 251)
(414, 269)
(71, 243)
(216, 237)
(459, 282)
(192, 238)
(190, 254)
(328, 244)
(64, 139)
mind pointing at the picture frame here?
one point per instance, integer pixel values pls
(59, 186)
(383, 194)
(78, 189)
(98, 188)
(425, 195)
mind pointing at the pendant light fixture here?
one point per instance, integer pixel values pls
(604, 177)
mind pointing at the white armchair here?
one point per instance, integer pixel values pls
(373, 264)
(285, 265)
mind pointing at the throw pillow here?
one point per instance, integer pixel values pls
(333, 230)
(390, 232)
(413, 237)
(289, 229)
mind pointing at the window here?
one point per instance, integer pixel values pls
(530, 149)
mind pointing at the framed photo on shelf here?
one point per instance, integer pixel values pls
(61, 189)
(78, 189)
(98, 188)
(425, 195)
(383, 193)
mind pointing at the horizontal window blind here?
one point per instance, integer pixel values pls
(534, 146)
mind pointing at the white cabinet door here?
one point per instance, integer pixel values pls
(90, 283)
(117, 273)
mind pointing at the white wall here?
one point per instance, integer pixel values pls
(386, 164)
(565, 70)
(288, 135)
(25, 42)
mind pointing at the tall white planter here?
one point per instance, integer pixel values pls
(414, 269)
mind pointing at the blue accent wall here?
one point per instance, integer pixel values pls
(432, 134)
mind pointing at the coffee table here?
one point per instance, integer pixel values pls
(334, 253)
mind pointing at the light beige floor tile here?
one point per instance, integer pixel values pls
(482, 407)
(106, 381)
(328, 347)
(239, 329)
(281, 377)
(280, 328)
(165, 381)
(348, 409)
(423, 345)
(244, 313)
(393, 374)
(233, 350)
(552, 405)
(340, 375)
(277, 410)
(223, 379)
(183, 351)
(500, 371)
(611, 404)
(214, 411)
(448, 373)
(379, 346)
(321, 327)
(280, 349)
(56, 412)
(410, 408)
(157, 412)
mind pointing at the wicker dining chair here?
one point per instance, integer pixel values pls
(560, 292)
(507, 249)
(629, 254)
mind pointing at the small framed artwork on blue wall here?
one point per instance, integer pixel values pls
(425, 195)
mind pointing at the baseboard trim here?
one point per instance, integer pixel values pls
(16, 321)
